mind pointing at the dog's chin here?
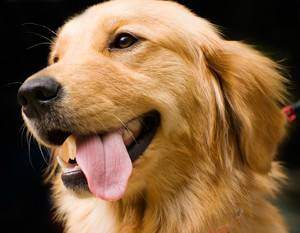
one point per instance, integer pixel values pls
(137, 135)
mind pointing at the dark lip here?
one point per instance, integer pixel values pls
(75, 181)
(56, 137)
(151, 122)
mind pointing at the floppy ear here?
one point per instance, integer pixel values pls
(253, 91)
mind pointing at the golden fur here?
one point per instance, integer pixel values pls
(221, 123)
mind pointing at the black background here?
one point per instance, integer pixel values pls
(273, 26)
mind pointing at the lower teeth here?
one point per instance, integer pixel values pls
(67, 170)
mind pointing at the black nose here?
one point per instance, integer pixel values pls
(38, 94)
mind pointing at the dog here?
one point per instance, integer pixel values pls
(158, 124)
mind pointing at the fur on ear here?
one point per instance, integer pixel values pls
(253, 91)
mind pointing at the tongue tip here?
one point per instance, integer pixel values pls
(114, 191)
(113, 194)
(110, 198)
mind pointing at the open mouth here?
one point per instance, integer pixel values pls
(102, 163)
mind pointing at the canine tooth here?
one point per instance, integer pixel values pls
(71, 169)
(68, 149)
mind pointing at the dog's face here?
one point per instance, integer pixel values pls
(143, 93)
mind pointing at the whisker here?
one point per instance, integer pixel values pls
(124, 125)
(42, 26)
(134, 114)
(21, 131)
(28, 137)
(43, 155)
(11, 84)
(41, 36)
(52, 166)
(43, 43)
(101, 122)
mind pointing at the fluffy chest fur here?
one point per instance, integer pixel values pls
(86, 215)
(244, 211)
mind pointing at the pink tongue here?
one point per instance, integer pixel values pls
(105, 163)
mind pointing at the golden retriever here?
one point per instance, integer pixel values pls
(158, 124)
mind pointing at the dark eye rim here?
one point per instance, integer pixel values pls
(114, 46)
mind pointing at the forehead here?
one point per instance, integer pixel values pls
(138, 15)
(165, 23)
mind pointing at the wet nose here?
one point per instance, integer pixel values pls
(36, 95)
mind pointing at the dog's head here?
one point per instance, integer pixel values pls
(149, 91)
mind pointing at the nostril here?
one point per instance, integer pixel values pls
(45, 90)
(38, 91)
(46, 94)
(40, 95)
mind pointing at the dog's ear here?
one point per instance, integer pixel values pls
(253, 91)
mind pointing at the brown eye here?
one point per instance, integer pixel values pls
(123, 41)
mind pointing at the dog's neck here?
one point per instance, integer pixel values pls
(187, 209)
(176, 208)
(179, 202)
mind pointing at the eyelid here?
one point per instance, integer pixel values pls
(120, 32)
